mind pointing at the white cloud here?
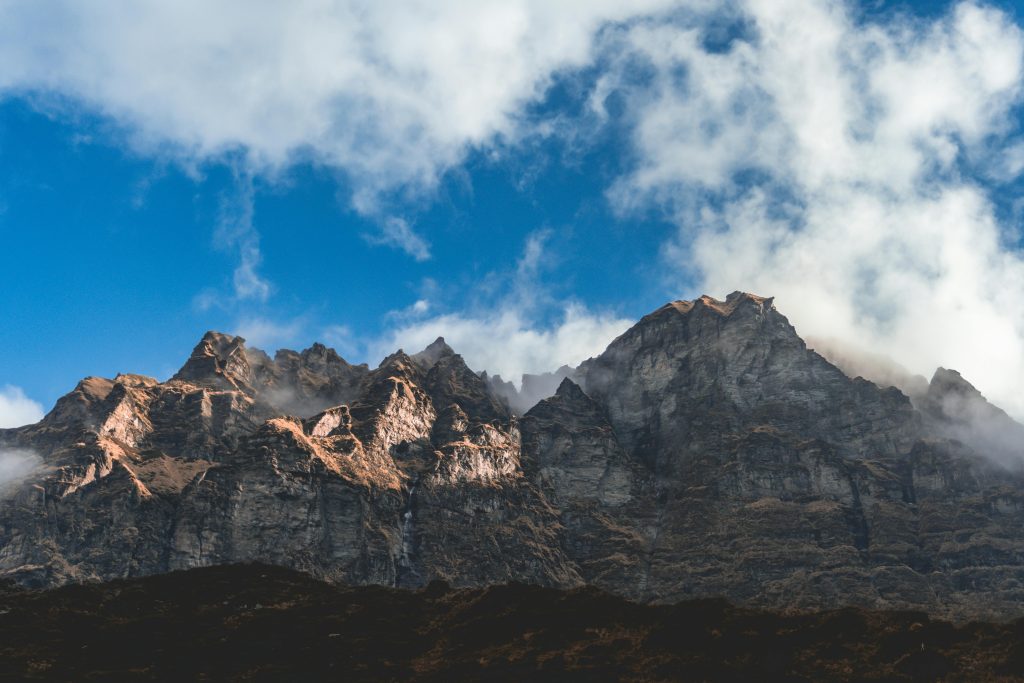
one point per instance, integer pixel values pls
(341, 339)
(504, 342)
(866, 210)
(17, 409)
(236, 232)
(268, 334)
(397, 232)
(505, 338)
(17, 464)
(390, 92)
(248, 283)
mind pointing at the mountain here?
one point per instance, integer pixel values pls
(708, 452)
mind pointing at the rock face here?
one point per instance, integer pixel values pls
(706, 452)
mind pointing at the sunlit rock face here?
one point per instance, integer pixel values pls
(706, 452)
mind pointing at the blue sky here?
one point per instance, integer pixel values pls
(524, 179)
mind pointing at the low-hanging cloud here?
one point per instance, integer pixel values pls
(506, 336)
(505, 342)
(844, 167)
(16, 464)
(268, 334)
(875, 367)
(964, 415)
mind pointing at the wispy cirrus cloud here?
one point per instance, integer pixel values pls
(397, 232)
(237, 232)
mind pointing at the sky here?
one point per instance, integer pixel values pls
(525, 178)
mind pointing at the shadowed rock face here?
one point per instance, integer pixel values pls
(692, 374)
(306, 382)
(706, 452)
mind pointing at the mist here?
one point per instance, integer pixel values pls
(874, 367)
(532, 389)
(16, 465)
(951, 406)
(961, 412)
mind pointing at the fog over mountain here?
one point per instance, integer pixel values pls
(16, 464)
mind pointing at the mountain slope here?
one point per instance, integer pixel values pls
(261, 623)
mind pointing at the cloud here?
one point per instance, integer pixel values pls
(504, 342)
(268, 334)
(247, 282)
(844, 167)
(390, 93)
(236, 232)
(17, 409)
(396, 232)
(341, 339)
(504, 335)
(17, 464)
(876, 367)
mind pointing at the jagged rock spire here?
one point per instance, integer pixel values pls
(218, 360)
(429, 356)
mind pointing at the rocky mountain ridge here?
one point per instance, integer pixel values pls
(706, 452)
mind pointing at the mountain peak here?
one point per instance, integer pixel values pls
(963, 413)
(946, 382)
(218, 360)
(221, 341)
(569, 389)
(952, 398)
(437, 350)
(725, 308)
(318, 349)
